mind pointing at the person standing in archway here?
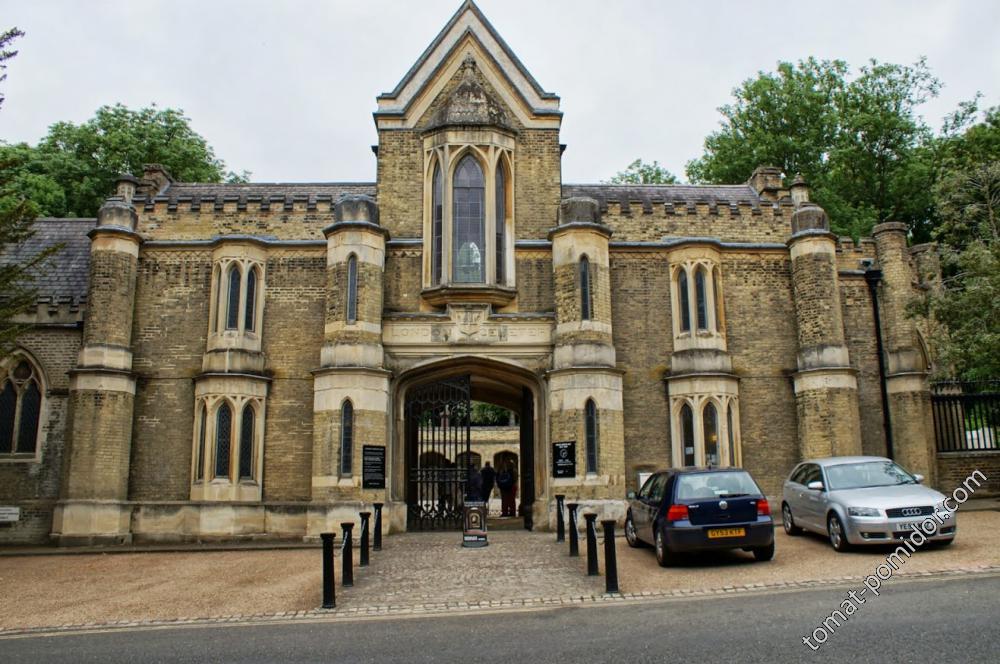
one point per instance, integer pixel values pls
(489, 481)
(507, 484)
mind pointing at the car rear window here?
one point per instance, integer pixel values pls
(700, 486)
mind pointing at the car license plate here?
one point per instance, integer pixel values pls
(717, 533)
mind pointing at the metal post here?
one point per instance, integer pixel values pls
(574, 537)
(347, 553)
(377, 533)
(591, 520)
(560, 522)
(365, 516)
(329, 594)
(610, 557)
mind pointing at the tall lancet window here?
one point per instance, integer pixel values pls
(501, 209)
(352, 289)
(469, 236)
(437, 221)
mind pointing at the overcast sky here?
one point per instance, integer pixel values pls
(286, 90)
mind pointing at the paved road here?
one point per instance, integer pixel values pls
(940, 621)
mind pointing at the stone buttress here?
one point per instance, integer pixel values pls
(351, 387)
(94, 491)
(826, 387)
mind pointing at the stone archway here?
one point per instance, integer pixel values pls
(491, 381)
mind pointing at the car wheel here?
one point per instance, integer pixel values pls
(763, 553)
(663, 555)
(788, 522)
(838, 538)
(631, 536)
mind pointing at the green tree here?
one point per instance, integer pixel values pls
(487, 414)
(965, 311)
(639, 172)
(73, 168)
(16, 217)
(6, 39)
(859, 142)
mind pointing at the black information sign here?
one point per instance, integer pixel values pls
(564, 459)
(373, 467)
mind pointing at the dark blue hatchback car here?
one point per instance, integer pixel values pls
(696, 509)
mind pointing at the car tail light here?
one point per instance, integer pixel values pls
(763, 509)
(677, 513)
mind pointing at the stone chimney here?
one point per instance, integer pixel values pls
(156, 178)
(766, 181)
(800, 190)
(125, 187)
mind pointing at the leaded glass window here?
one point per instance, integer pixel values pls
(246, 443)
(469, 222)
(346, 438)
(586, 303)
(501, 210)
(687, 434)
(223, 439)
(684, 300)
(352, 289)
(710, 428)
(732, 435)
(20, 410)
(199, 464)
(233, 303)
(250, 311)
(699, 297)
(590, 417)
(437, 222)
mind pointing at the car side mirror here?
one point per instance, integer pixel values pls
(815, 485)
(630, 495)
(919, 478)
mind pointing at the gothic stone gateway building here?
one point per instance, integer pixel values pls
(210, 361)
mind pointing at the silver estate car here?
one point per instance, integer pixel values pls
(861, 500)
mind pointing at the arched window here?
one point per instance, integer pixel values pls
(585, 299)
(346, 438)
(684, 300)
(717, 298)
(687, 434)
(732, 435)
(590, 417)
(250, 310)
(20, 410)
(501, 210)
(233, 303)
(699, 296)
(437, 223)
(217, 300)
(199, 452)
(710, 429)
(223, 439)
(352, 289)
(469, 222)
(246, 443)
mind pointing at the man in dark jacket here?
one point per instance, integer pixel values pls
(507, 484)
(489, 479)
(473, 484)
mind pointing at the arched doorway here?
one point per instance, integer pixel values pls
(431, 403)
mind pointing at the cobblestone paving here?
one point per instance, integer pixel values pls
(433, 568)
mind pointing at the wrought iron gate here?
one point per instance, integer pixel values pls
(438, 440)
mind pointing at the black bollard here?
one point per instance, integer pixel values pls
(574, 537)
(347, 552)
(329, 594)
(560, 523)
(591, 520)
(365, 516)
(610, 557)
(377, 533)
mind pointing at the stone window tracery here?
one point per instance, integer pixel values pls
(697, 296)
(237, 302)
(21, 397)
(700, 431)
(228, 447)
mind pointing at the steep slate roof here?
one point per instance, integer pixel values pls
(63, 278)
(271, 191)
(649, 195)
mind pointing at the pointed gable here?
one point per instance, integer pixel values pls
(468, 36)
